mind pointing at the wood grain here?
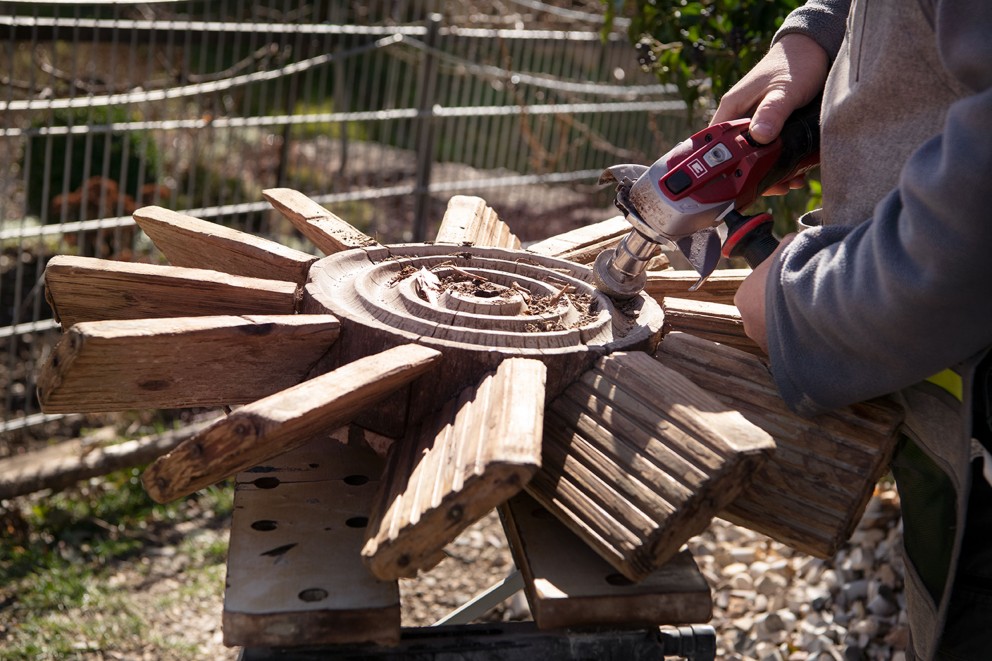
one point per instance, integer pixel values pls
(717, 322)
(190, 242)
(584, 244)
(83, 289)
(638, 459)
(283, 421)
(478, 451)
(325, 230)
(812, 492)
(720, 287)
(294, 573)
(340, 286)
(568, 585)
(469, 220)
(181, 361)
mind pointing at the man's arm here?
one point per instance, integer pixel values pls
(858, 312)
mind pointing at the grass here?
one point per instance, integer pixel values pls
(75, 566)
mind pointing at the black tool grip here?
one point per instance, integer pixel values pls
(749, 237)
(800, 141)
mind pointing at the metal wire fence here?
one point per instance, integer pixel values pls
(379, 110)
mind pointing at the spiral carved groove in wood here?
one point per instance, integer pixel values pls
(488, 297)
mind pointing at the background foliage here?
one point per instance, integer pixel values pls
(702, 47)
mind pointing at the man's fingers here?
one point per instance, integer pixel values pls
(770, 116)
(786, 186)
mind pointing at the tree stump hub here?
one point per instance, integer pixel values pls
(479, 306)
(482, 297)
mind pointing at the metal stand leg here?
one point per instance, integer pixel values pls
(696, 642)
(485, 601)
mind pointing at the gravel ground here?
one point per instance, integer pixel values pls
(770, 603)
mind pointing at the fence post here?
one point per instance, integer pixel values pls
(425, 130)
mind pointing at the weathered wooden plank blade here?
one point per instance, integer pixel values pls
(583, 245)
(717, 322)
(469, 220)
(195, 243)
(480, 450)
(637, 460)
(263, 429)
(181, 361)
(324, 229)
(720, 287)
(568, 585)
(294, 569)
(83, 289)
(812, 492)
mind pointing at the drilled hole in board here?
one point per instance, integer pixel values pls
(266, 482)
(313, 594)
(264, 525)
(357, 522)
(618, 580)
(356, 480)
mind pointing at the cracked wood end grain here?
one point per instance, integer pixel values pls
(325, 230)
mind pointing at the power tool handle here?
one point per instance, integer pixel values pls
(800, 139)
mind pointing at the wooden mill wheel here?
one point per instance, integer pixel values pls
(482, 369)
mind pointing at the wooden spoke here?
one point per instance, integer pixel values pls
(283, 421)
(470, 221)
(181, 362)
(191, 242)
(584, 244)
(568, 585)
(720, 287)
(713, 321)
(480, 450)
(86, 289)
(812, 492)
(325, 230)
(638, 459)
(294, 573)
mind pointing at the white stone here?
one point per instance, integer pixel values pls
(742, 582)
(766, 651)
(744, 554)
(788, 619)
(770, 583)
(867, 627)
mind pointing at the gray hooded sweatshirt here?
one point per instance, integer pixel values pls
(894, 285)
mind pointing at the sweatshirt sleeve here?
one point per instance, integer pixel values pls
(824, 21)
(854, 312)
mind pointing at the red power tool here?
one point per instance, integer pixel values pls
(704, 181)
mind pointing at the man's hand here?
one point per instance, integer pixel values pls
(787, 78)
(750, 297)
